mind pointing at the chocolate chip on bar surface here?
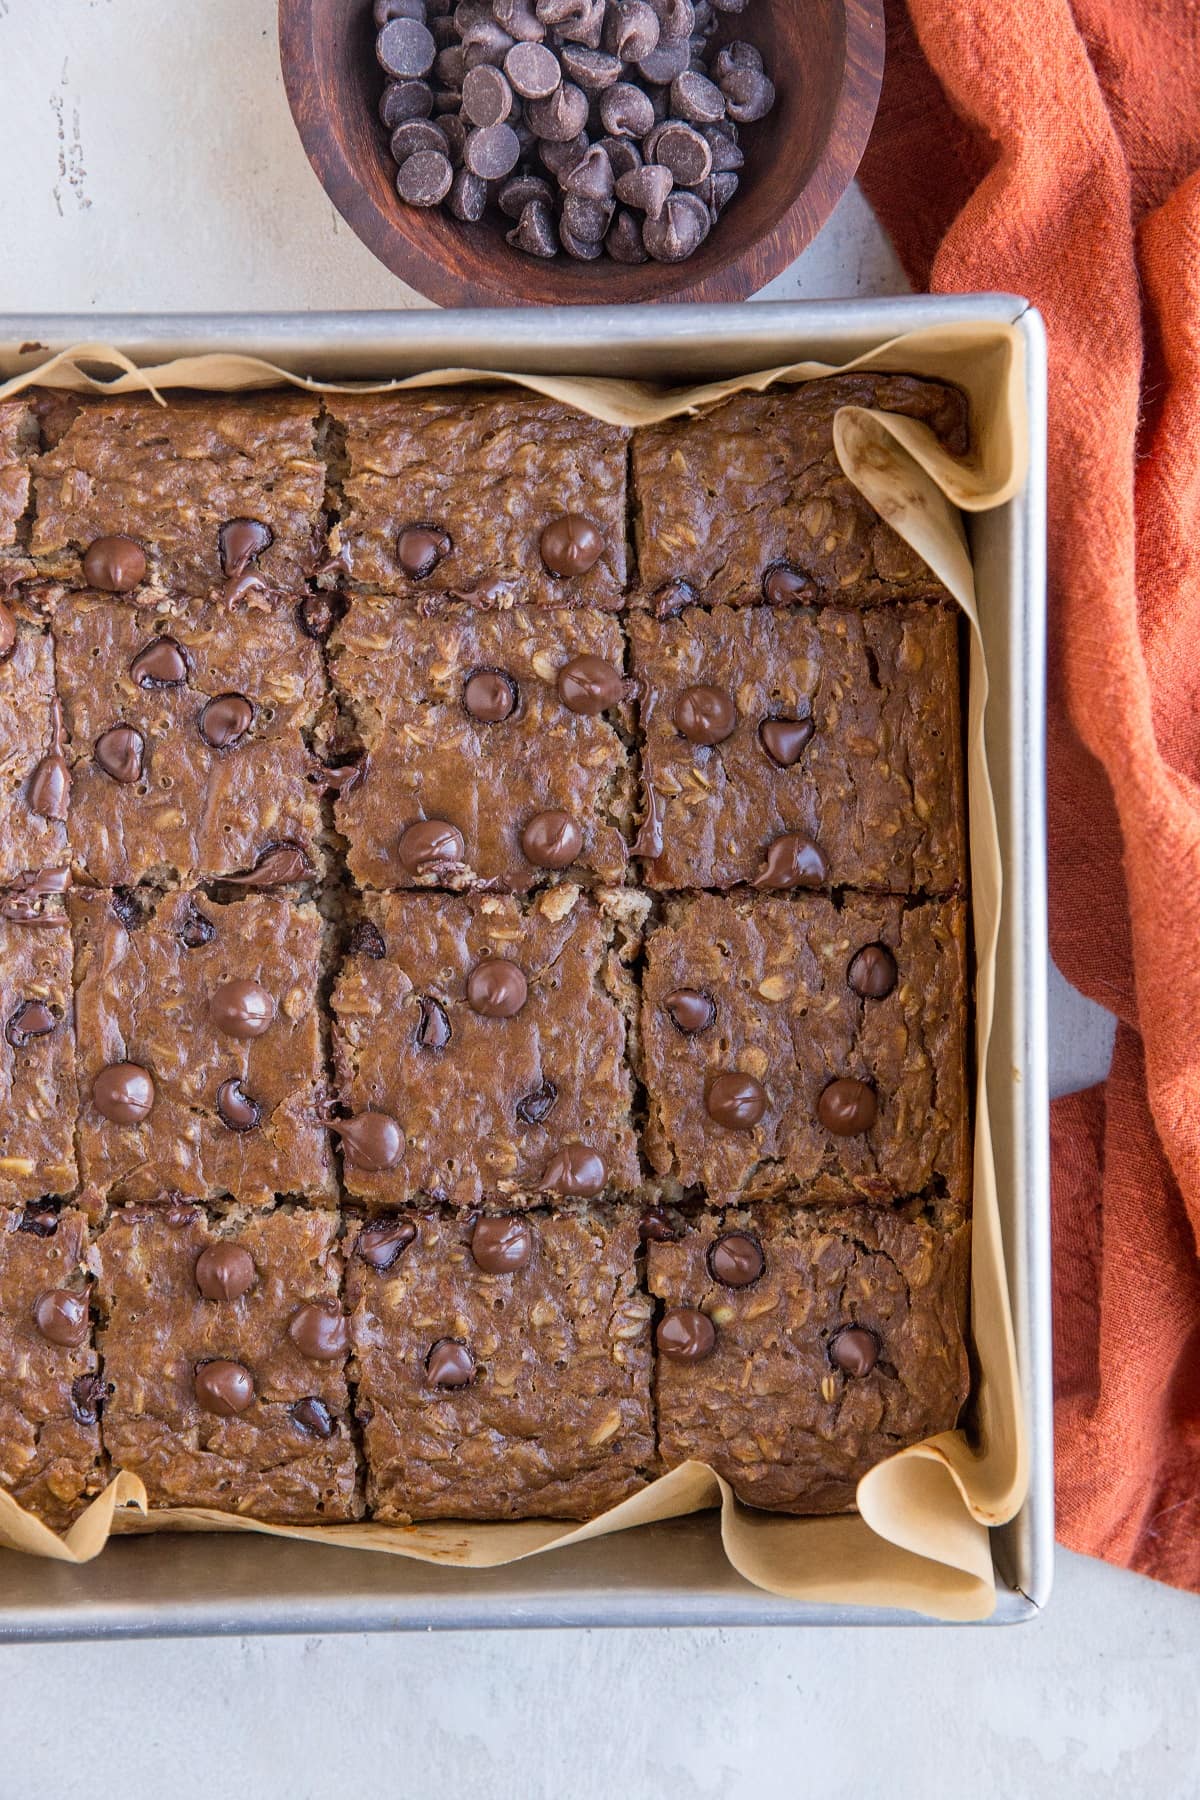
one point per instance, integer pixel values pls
(571, 100)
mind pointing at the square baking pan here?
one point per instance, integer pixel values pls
(673, 1573)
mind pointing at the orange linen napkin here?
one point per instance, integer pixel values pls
(1053, 150)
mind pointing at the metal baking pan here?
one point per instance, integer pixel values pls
(675, 1573)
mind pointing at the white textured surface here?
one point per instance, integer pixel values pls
(149, 162)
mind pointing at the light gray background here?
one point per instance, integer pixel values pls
(149, 162)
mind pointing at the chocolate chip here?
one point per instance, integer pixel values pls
(847, 1107)
(497, 988)
(491, 152)
(571, 545)
(62, 1317)
(735, 56)
(381, 1243)
(676, 18)
(735, 1100)
(88, 1393)
(624, 241)
(631, 30)
(240, 543)
(416, 135)
(668, 58)
(785, 740)
(114, 564)
(405, 48)
(49, 789)
(589, 685)
(584, 221)
(450, 1364)
(225, 1272)
(312, 1415)
(319, 1331)
(722, 142)
(626, 111)
(315, 616)
(468, 197)
(516, 194)
(657, 1227)
(560, 158)
(403, 100)
(236, 1107)
(574, 1170)
(695, 97)
(242, 1009)
(119, 751)
(872, 972)
(854, 1350)
(535, 232)
(490, 695)
(679, 231)
(682, 150)
(501, 1246)
(487, 98)
(123, 1093)
(519, 19)
(582, 249)
(783, 585)
(276, 866)
(366, 939)
(454, 129)
(621, 154)
(690, 1009)
(646, 189)
(196, 930)
(736, 1260)
(485, 42)
(398, 9)
(591, 178)
(420, 548)
(424, 178)
(560, 117)
(533, 70)
(449, 71)
(592, 70)
(161, 664)
(686, 1335)
(577, 21)
(791, 861)
(32, 1019)
(223, 1388)
(705, 715)
(433, 1030)
(40, 1218)
(551, 840)
(226, 720)
(749, 95)
(535, 1108)
(371, 1140)
(429, 847)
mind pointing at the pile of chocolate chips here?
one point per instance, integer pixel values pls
(596, 125)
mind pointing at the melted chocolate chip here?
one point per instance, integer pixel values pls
(450, 1364)
(49, 787)
(312, 1415)
(575, 1170)
(32, 1019)
(736, 1260)
(120, 752)
(872, 972)
(114, 564)
(735, 1100)
(656, 1226)
(686, 1335)
(705, 715)
(854, 1350)
(383, 1241)
(420, 548)
(242, 1009)
(785, 740)
(123, 1093)
(371, 1141)
(88, 1393)
(315, 617)
(196, 930)
(366, 940)
(241, 542)
(40, 1218)
(62, 1317)
(648, 840)
(319, 1331)
(791, 861)
(275, 866)
(24, 899)
(225, 1272)
(589, 685)
(501, 1246)
(433, 1031)
(535, 1108)
(236, 1107)
(490, 695)
(671, 598)
(551, 840)
(224, 1388)
(847, 1107)
(571, 545)
(161, 664)
(226, 720)
(429, 846)
(690, 1009)
(497, 988)
(783, 585)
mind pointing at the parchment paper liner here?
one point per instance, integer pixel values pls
(920, 1539)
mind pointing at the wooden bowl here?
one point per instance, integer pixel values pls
(824, 56)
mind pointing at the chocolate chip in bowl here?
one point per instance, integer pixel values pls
(576, 151)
